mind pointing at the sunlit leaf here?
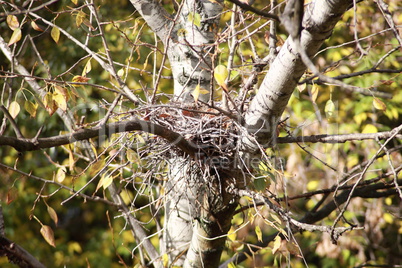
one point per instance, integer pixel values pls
(277, 244)
(330, 109)
(48, 234)
(388, 218)
(379, 104)
(312, 185)
(60, 174)
(12, 22)
(258, 233)
(195, 18)
(104, 181)
(36, 27)
(80, 79)
(55, 34)
(79, 19)
(15, 37)
(31, 107)
(302, 87)
(221, 73)
(120, 72)
(49, 103)
(314, 92)
(14, 109)
(197, 91)
(231, 265)
(75, 2)
(369, 128)
(60, 100)
(52, 214)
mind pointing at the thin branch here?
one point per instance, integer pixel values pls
(174, 138)
(254, 10)
(12, 121)
(60, 185)
(326, 138)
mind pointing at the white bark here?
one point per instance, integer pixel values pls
(268, 105)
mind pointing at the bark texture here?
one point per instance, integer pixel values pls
(265, 110)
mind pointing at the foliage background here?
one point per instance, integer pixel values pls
(92, 234)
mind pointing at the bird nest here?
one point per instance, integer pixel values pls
(212, 133)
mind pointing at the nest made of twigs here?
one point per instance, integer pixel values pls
(213, 133)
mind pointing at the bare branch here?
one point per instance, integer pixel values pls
(326, 138)
(254, 10)
(23, 145)
(17, 254)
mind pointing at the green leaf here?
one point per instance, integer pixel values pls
(55, 34)
(258, 233)
(277, 244)
(330, 109)
(195, 18)
(221, 74)
(260, 184)
(79, 19)
(15, 37)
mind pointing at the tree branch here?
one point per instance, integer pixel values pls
(18, 255)
(326, 138)
(254, 10)
(174, 138)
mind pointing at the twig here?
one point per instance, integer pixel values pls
(13, 123)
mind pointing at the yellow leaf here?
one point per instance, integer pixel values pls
(55, 34)
(330, 109)
(379, 104)
(52, 214)
(314, 92)
(120, 72)
(60, 100)
(31, 108)
(277, 244)
(14, 109)
(80, 79)
(15, 37)
(369, 128)
(388, 218)
(75, 2)
(165, 260)
(12, 22)
(232, 234)
(104, 182)
(221, 73)
(49, 103)
(47, 233)
(36, 26)
(231, 265)
(79, 19)
(312, 185)
(195, 18)
(302, 87)
(87, 68)
(61, 174)
(258, 233)
(196, 92)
